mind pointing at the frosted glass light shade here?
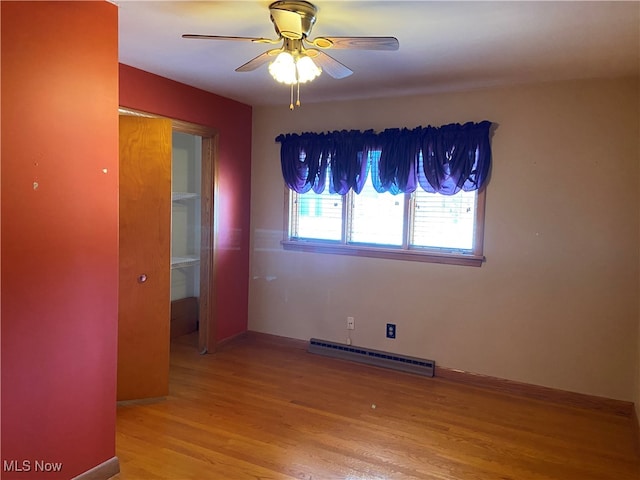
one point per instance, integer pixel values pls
(289, 70)
(307, 69)
(283, 68)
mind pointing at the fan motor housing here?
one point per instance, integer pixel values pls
(307, 12)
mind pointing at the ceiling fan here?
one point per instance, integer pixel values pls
(300, 59)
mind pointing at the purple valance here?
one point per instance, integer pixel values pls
(442, 160)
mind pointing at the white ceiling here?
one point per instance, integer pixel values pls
(447, 45)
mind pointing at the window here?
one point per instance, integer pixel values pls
(317, 216)
(410, 194)
(418, 226)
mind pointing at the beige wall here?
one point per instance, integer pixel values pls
(556, 302)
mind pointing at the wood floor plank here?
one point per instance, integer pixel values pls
(260, 409)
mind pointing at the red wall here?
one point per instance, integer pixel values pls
(59, 259)
(232, 120)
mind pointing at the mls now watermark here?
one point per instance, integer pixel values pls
(31, 466)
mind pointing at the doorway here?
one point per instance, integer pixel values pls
(147, 240)
(194, 211)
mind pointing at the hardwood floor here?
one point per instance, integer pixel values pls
(263, 409)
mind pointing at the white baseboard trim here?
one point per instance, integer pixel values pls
(104, 471)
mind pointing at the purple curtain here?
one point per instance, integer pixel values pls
(454, 157)
(349, 165)
(442, 160)
(304, 160)
(396, 169)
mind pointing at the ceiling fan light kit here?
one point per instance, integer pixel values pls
(289, 70)
(300, 59)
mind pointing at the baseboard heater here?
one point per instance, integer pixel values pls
(372, 357)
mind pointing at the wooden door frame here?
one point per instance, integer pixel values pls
(208, 241)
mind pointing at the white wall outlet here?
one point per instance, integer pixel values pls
(351, 323)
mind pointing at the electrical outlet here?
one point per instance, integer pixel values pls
(391, 330)
(351, 323)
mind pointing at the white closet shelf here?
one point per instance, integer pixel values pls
(177, 196)
(183, 262)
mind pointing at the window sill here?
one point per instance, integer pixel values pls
(388, 253)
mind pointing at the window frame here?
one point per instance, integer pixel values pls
(405, 252)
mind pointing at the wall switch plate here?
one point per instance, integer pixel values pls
(351, 323)
(391, 330)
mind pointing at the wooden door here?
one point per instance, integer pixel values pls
(145, 245)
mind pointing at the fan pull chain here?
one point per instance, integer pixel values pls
(297, 83)
(291, 103)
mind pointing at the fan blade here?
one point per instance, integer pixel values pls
(258, 61)
(220, 37)
(358, 43)
(288, 24)
(329, 64)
